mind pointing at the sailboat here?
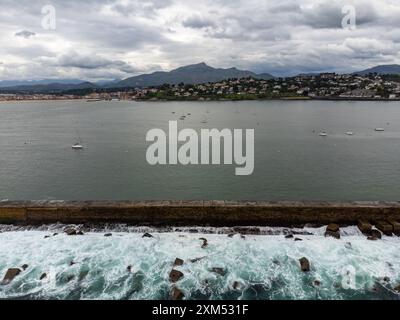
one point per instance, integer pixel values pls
(78, 145)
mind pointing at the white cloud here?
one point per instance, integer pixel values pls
(98, 39)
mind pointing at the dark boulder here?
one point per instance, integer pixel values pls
(376, 234)
(196, 260)
(239, 286)
(298, 239)
(70, 231)
(147, 235)
(24, 267)
(10, 275)
(178, 262)
(365, 227)
(385, 227)
(129, 269)
(333, 227)
(107, 235)
(305, 265)
(175, 276)
(205, 243)
(177, 294)
(317, 283)
(333, 231)
(289, 236)
(396, 227)
(43, 276)
(220, 271)
(247, 230)
(397, 288)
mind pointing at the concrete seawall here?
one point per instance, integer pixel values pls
(196, 213)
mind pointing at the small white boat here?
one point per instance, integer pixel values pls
(323, 134)
(379, 129)
(350, 133)
(77, 146)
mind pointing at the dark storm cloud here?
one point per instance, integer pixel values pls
(25, 34)
(197, 22)
(75, 60)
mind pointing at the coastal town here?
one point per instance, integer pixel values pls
(326, 86)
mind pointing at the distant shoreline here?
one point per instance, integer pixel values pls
(213, 100)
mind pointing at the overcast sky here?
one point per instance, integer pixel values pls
(107, 39)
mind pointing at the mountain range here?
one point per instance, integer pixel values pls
(191, 74)
(382, 69)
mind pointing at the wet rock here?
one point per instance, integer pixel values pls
(43, 276)
(72, 263)
(289, 236)
(333, 231)
(107, 235)
(333, 227)
(298, 239)
(178, 262)
(193, 231)
(371, 238)
(386, 279)
(177, 294)
(304, 265)
(205, 243)
(196, 260)
(70, 232)
(348, 245)
(10, 275)
(385, 227)
(80, 233)
(220, 271)
(317, 283)
(335, 235)
(237, 285)
(55, 234)
(129, 269)
(231, 235)
(175, 276)
(376, 234)
(243, 237)
(24, 267)
(247, 230)
(365, 227)
(397, 288)
(46, 237)
(147, 235)
(396, 227)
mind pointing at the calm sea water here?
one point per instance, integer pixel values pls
(291, 161)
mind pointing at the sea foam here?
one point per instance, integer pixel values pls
(257, 266)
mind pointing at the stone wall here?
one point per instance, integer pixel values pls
(196, 213)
